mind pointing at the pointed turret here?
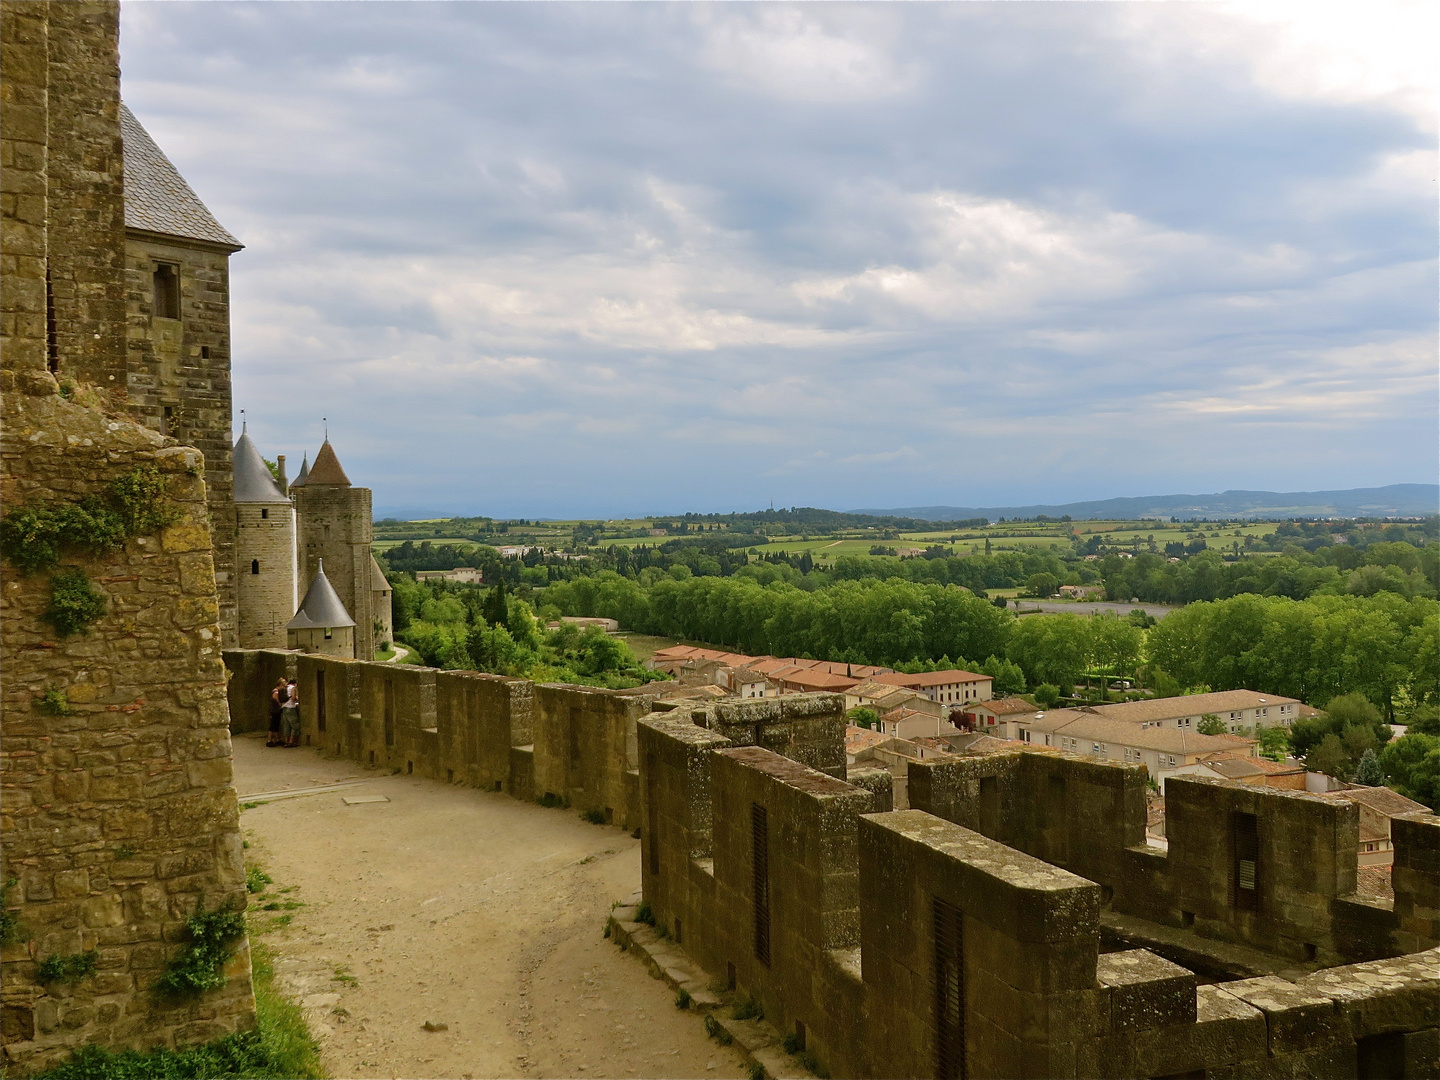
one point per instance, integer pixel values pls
(304, 475)
(321, 607)
(326, 470)
(253, 482)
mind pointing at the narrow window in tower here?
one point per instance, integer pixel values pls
(167, 291)
(166, 417)
(52, 328)
(254, 566)
(264, 512)
(204, 352)
(1246, 831)
(760, 881)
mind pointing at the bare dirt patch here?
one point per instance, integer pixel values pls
(463, 908)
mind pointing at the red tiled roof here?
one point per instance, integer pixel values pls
(930, 678)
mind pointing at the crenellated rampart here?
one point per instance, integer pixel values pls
(990, 930)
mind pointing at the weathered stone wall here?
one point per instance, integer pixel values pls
(1089, 817)
(252, 675)
(120, 818)
(117, 809)
(1017, 985)
(178, 379)
(86, 226)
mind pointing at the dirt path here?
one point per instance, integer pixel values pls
(465, 908)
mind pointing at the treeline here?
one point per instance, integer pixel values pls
(1394, 567)
(1383, 646)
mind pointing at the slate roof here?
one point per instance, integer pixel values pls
(157, 198)
(253, 482)
(321, 606)
(299, 480)
(378, 581)
(327, 470)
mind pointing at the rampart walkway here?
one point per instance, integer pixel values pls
(464, 907)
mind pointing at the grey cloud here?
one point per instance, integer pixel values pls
(553, 259)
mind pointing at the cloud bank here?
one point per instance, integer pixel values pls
(559, 260)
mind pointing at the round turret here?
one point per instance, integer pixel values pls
(264, 551)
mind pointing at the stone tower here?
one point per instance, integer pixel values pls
(264, 551)
(334, 524)
(118, 814)
(177, 309)
(322, 625)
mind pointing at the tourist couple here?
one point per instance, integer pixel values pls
(285, 714)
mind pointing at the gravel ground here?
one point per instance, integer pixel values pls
(464, 908)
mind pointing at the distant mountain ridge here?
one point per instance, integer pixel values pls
(1394, 500)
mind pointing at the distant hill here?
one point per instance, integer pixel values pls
(1395, 500)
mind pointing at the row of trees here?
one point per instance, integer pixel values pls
(1396, 567)
(1382, 646)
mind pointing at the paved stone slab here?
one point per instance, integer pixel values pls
(360, 800)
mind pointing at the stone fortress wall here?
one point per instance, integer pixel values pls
(991, 930)
(117, 809)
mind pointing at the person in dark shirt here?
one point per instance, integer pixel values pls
(277, 701)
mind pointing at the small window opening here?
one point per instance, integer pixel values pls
(204, 352)
(52, 327)
(1247, 861)
(254, 566)
(372, 757)
(499, 785)
(167, 291)
(329, 633)
(1310, 950)
(409, 767)
(800, 1034)
(264, 511)
(679, 931)
(169, 414)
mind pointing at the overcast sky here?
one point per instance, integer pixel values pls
(603, 259)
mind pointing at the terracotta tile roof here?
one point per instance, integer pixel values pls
(157, 198)
(931, 678)
(818, 680)
(1075, 724)
(1381, 799)
(327, 471)
(1188, 705)
(1005, 706)
(858, 738)
(1374, 881)
(1278, 768)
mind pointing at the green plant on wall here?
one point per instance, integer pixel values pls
(68, 967)
(74, 602)
(35, 536)
(201, 966)
(53, 702)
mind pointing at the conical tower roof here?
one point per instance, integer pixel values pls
(253, 482)
(326, 469)
(378, 581)
(299, 481)
(321, 606)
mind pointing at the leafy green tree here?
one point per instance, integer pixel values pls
(860, 716)
(1006, 675)
(1274, 743)
(1115, 644)
(1411, 762)
(1042, 584)
(1210, 724)
(495, 610)
(1368, 771)
(1046, 695)
(1329, 757)
(1051, 648)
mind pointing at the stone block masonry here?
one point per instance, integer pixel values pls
(906, 944)
(117, 810)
